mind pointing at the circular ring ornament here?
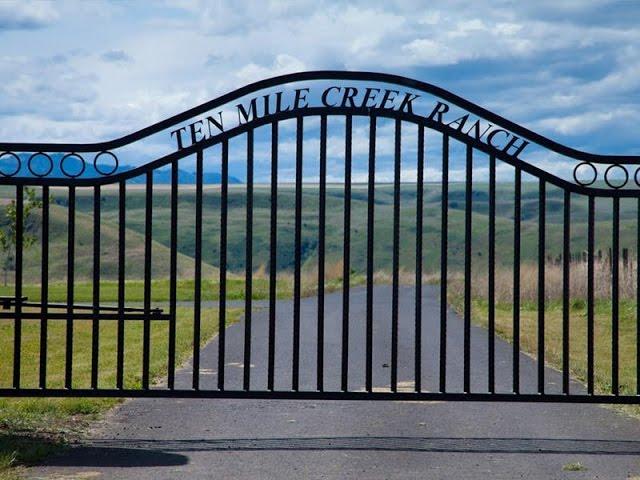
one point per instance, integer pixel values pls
(585, 182)
(18, 163)
(608, 172)
(72, 175)
(636, 177)
(33, 170)
(115, 164)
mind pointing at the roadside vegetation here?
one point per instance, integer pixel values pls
(628, 322)
(185, 290)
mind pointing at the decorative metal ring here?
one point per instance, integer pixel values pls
(636, 178)
(18, 162)
(67, 173)
(608, 182)
(36, 173)
(585, 183)
(101, 172)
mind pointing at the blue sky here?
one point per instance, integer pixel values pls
(88, 71)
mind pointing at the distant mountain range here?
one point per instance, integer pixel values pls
(163, 176)
(73, 166)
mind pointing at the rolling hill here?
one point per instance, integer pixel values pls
(135, 216)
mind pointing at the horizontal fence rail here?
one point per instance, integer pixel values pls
(337, 253)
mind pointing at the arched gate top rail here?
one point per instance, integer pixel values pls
(103, 150)
(325, 75)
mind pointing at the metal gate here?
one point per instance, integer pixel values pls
(376, 237)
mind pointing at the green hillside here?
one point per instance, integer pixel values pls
(84, 250)
(383, 223)
(135, 217)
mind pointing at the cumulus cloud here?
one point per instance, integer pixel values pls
(45, 86)
(26, 15)
(589, 121)
(281, 64)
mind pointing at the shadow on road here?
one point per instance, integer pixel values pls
(148, 452)
(112, 456)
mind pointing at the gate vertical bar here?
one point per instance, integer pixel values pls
(321, 252)
(590, 295)
(273, 257)
(370, 244)
(122, 199)
(173, 274)
(467, 268)
(638, 297)
(17, 325)
(197, 284)
(491, 290)
(566, 257)
(516, 280)
(615, 297)
(542, 199)
(70, 280)
(419, 230)
(444, 235)
(222, 301)
(295, 380)
(246, 380)
(396, 255)
(146, 340)
(346, 253)
(95, 333)
(44, 289)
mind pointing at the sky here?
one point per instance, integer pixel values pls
(90, 71)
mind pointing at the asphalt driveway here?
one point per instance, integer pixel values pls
(268, 439)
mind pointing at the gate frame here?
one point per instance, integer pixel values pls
(147, 314)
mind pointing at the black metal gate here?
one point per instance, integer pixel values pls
(365, 205)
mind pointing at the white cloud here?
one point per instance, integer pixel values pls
(281, 64)
(26, 15)
(452, 41)
(589, 121)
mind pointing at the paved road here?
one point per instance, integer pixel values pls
(257, 439)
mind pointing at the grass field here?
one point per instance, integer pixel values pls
(577, 340)
(185, 288)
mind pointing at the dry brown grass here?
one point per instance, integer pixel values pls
(553, 282)
(308, 278)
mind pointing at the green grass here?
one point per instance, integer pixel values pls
(134, 290)
(574, 467)
(577, 340)
(185, 291)
(32, 428)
